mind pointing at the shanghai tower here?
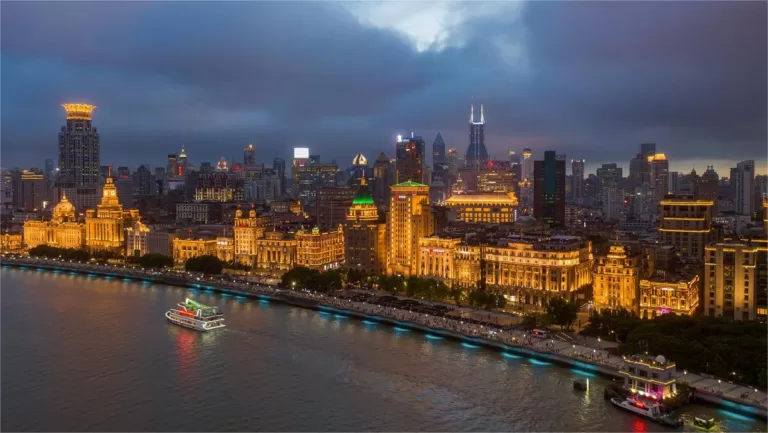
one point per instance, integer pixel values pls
(79, 158)
(477, 154)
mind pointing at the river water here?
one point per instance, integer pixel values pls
(86, 353)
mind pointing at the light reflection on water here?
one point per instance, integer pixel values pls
(307, 370)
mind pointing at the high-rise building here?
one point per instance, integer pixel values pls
(278, 165)
(331, 206)
(674, 182)
(686, 223)
(172, 167)
(742, 183)
(438, 151)
(105, 225)
(50, 173)
(382, 179)
(639, 168)
(32, 190)
(409, 219)
(497, 176)
(616, 279)
(364, 235)
(452, 159)
(142, 182)
(249, 156)
(6, 190)
(730, 280)
(577, 173)
(707, 186)
(526, 172)
(549, 189)
(182, 165)
(612, 198)
(410, 159)
(659, 174)
(477, 154)
(79, 157)
(608, 174)
(491, 208)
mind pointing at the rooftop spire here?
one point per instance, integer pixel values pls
(482, 115)
(472, 113)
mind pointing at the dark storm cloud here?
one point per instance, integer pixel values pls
(591, 79)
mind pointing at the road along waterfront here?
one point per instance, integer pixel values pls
(88, 353)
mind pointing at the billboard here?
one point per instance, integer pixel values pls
(300, 152)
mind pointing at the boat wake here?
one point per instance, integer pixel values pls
(241, 331)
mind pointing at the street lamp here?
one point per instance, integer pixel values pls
(718, 384)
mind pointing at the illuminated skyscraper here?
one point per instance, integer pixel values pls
(477, 154)
(526, 172)
(249, 157)
(438, 151)
(409, 219)
(659, 174)
(79, 157)
(410, 159)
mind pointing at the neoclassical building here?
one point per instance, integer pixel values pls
(616, 279)
(320, 250)
(247, 231)
(105, 225)
(487, 208)
(62, 231)
(410, 218)
(364, 235)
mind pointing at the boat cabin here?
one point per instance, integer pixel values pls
(649, 377)
(704, 422)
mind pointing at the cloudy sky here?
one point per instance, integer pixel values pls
(588, 79)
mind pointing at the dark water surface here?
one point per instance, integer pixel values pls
(91, 354)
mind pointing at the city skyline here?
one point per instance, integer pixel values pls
(684, 101)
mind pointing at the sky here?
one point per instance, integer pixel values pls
(590, 80)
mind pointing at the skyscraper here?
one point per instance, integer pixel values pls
(249, 157)
(142, 182)
(365, 236)
(409, 219)
(742, 183)
(659, 174)
(577, 172)
(608, 174)
(526, 172)
(181, 167)
(173, 166)
(32, 190)
(477, 154)
(278, 165)
(549, 189)
(382, 179)
(79, 158)
(438, 151)
(410, 159)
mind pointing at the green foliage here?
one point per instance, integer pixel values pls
(532, 320)
(393, 284)
(302, 277)
(562, 312)
(356, 276)
(205, 264)
(486, 300)
(62, 253)
(236, 266)
(155, 261)
(699, 344)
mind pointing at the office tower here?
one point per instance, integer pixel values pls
(438, 151)
(608, 174)
(382, 179)
(182, 164)
(364, 235)
(674, 182)
(249, 156)
(527, 165)
(497, 176)
(706, 188)
(549, 189)
(142, 182)
(32, 190)
(50, 173)
(452, 159)
(79, 158)
(172, 168)
(686, 223)
(577, 173)
(358, 171)
(477, 154)
(730, 280)
(514, 158)
(409, 219)
(659, 174)
(331, 206)
(300, 159)
(612, 198)
(742, 184)
(639, 166)
(410, 159)
(6, 190)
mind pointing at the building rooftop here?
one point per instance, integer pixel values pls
(488, 198)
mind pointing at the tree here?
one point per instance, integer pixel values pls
(205, 264)
(156, 261)
(60, 253)
(298, 277)
(531, 320)
(457, 295)
(562, 312)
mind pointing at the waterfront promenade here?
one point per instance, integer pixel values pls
(567, 352)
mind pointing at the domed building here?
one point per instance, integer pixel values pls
(365, 235)
(105, 226)
(62, 231)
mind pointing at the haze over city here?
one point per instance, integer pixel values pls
(589, 79)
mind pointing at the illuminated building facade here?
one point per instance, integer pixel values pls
(185, 249)
(220, 186)
(529, 270)
(225, 249)
(79, 158)
(105, 225)
(659, 174)
(477, 154)
(249, 155)
(497, 176)
(33, 190)
(10, 243)
(62, 231)
(666, 293)
(409, 219)
(730, 280)
(320, 250)
(275, 253)
(410, 159)
(365, 236)
(137, 239)
(616, 279)
(686, 223)
(246, 232)
(485, 208)
(649, 377)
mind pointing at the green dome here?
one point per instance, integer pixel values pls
(363, 196)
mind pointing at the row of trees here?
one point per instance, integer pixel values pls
(557, 311)
(724, 348)
(206, 264)
(60, 253)
(152, 261)
(302, 277)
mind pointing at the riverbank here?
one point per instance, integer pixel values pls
(511, 342)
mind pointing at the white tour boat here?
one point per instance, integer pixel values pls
(191, 314)
(652, 411)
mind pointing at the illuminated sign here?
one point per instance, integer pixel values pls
(401, 197)
(300, 152)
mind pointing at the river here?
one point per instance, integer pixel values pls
(86, 353)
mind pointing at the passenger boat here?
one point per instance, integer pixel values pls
(704, 422)
(191, 314)
(650, 411)
(581, 384)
